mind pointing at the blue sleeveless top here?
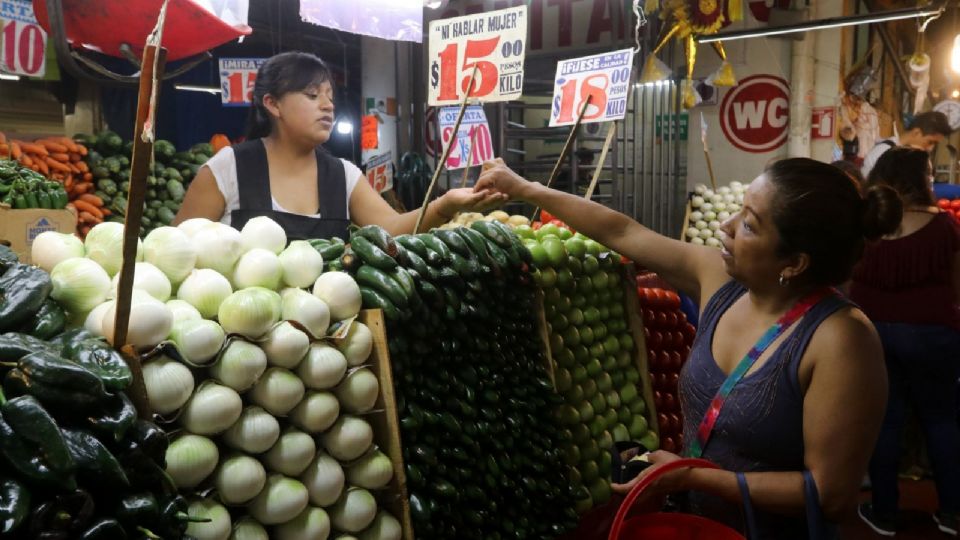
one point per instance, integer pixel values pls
(760, 427)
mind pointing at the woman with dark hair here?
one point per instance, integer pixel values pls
(907, 284)
(806, 368)
(282, 171)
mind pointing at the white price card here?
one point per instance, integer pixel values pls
(380, 172)
(494, 42)
(473, 126)
(237, 77)
(603, 78)
(23, 44)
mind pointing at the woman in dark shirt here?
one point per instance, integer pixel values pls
(814, 400)
(907, 284)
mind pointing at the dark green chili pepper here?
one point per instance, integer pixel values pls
(14, 504)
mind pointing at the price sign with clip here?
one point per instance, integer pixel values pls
(237, 77)
(23, 43)
(380, 172)
(603, 78)
(493, 42)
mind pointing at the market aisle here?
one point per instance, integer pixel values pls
(919, 500)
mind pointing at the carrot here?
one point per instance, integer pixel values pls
(85, 206)
(91, 198)
(56, 165)
(53, 147)
(3, 138)
(75, 157)
(82, 188)
(87, 177)
(73, 168)
(42, 166)
(15, 150)
(4, 149)
(26, 160)
(66, 141)
(81, 149)
(88, 218)
(68, 183)
(60, 156)
(33, 148)
(82, 165)
(106, 212)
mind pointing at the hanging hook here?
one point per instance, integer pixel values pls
(641, 21)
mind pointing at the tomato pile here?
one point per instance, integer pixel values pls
(547, 217)
(669, 337)
(952, 206)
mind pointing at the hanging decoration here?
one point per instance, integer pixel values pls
(919, 65)
(692, 18)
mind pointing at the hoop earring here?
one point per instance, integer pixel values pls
(783, 281)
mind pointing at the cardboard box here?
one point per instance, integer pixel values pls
(18, 228)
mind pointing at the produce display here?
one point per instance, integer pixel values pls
(669, 337)
(466, 219)
(170, 174)
(952, 206)
(75, 461)
(709, 209)
(593, 351)
(266, 412)
(482, 450)
(22, 187)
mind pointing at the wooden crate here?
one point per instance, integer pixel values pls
(385, 422)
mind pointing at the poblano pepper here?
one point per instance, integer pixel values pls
(14, 504)
(101, 359)
(64, 516)
(32, 443)
(23, 289)
(104, 529)
(116, 417)
(47, 322)
(94, 462)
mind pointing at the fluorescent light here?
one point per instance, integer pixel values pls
(434, 4)
(9, 77)
(835, 22)
(197, 88)
(344, 127)
(955, 55)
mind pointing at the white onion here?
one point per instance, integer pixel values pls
(700, 225)
(323, 367)
(693, 232)
(250, 312)
(709, 216)
(358, 344)
(713, 242)
(358, 392)
(312, 524)
(278, 391)
(192, 225)
(714, 225)
(324, 480)
(104, 245)
(150, 321)
(372, 471)
(700, 189)
(79, 285)
(183, 311)
(696, 202)
(264, 233)
(316, 412)
(198, 341)
(308, 310)
(216, 529)
(190, 460)
(254, 432)
(696, 215)
(301, 263)
(291, 454)
(94, 320)
(205, 289)
(49, 248)
(281, 500)
(211, 410)
(218, 247)
(239, 478)
(706, 207)
(697, 241)
(384, 527)
(285, 346)
(341, 294)
(169, 384)
(354, 511)
(147, 278)
(349, 438)
(170, 250)
(258, 268)
(706, 233)
(247, 528)
(240, 365)
(723, 216)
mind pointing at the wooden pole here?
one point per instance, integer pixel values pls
(466, 171)
(565, 151)
(446, 153)
(713, 180)
(611, 131)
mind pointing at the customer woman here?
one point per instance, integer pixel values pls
(908, 285)
(282, 171)
(814, 399)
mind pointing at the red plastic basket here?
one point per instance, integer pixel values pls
(667, 526)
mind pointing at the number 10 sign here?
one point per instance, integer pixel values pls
(493, 42)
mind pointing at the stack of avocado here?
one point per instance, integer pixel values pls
(170, 175)
(482, 446)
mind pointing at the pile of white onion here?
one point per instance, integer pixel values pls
(709, 209)
(267, 412)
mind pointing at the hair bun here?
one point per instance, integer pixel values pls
(882, 211)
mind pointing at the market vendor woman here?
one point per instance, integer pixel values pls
(282, 172)
(808, 407)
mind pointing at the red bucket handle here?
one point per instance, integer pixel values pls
(646, 482)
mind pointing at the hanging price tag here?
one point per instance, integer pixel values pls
(237, 77)
(380, 172)
(22, 42)
(474, 119)
(604, 78)
(494, 42)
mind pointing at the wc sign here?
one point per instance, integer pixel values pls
(754, 115)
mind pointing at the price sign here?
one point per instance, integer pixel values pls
(603, 78)
(380, 172)
(473, 126)
(22, 42)
(369, 132)
(237, 77)
(493, 42)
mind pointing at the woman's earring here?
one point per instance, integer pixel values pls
(783, 281)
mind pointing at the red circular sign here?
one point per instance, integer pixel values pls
(755, 114)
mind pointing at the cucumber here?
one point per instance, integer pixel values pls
(430, 293)
(330, 251)
(493, 232)
(374, 300)
(378, 280)
(349, 261)
(462, 267)
(416, 263)
(378, 237)
(371, 254)
(412, 243)
(499, 255)
(405, 281)
(454, 241)
(435, 245)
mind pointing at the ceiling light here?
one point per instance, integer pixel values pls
(344, 127)
(197, 88)
(9, 77)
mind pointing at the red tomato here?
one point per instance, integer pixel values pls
(662, 320)
(558, 223)
(657, 399)
(653, 361)
(689, 331)
(679, 339)
(668, 445)
(649, 318)
(672, 299)
(656, 340)
(625, 260)
(943, 203)
(663, 359)
(664, 421)
(669, 402)
(676, 361)
(672, 319)
(955, 204)
(672, 381)
(545, 216)
(680, 439)
(536, 225)
(663, 379)
(675, 422)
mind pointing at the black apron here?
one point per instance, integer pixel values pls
(253, 184)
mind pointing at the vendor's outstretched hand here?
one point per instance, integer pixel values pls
(499, 178)
(469, 200)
